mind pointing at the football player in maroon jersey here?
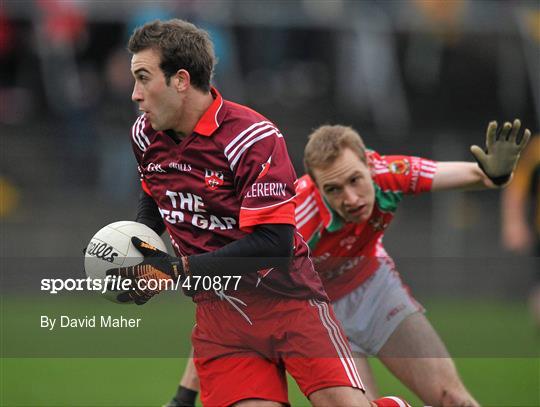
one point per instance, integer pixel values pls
(219, 176)
(344, 205)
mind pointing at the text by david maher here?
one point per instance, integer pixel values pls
(94, 321)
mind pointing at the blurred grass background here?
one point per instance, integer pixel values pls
(495, 346)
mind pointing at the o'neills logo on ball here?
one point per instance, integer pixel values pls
(213, 179)
(101, 250)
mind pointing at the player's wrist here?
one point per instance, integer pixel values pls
(175, 268)
(497, 179)
(186, 271)
(179, 267)
(500, 180)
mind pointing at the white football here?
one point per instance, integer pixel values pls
(111, 247)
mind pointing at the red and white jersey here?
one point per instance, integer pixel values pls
(346, 254)
(231, 174)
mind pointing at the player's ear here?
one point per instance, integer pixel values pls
(182, 80)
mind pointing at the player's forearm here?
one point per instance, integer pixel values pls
(268, 246)
(460, 175)
(148, 213)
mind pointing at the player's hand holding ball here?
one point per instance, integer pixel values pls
(112, 246)
(501, 154)
(150, 277)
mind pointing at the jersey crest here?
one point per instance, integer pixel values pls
(401, 167)
(213, 179)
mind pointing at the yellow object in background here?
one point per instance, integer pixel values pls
(533, 24)
(9, 197)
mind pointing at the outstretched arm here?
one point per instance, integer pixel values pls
(460, 175)
(495, 163)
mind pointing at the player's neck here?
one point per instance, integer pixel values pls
(196, 104)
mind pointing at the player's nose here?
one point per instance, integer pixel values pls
(350, 197)
(136, 95)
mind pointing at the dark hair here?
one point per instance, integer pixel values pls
(327, 142)
(181, 45)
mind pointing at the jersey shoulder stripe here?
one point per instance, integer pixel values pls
(427, 168)
(246, 138)
(138, 134)
(309, 216)
(307, 212)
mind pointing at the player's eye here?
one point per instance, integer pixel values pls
(332, 190)
(355, 180)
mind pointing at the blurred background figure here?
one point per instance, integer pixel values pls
(521, 215)
(115, 172)
(60, 33)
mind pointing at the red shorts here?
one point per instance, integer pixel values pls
(237, 359)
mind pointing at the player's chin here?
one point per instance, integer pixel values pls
(353, 218)
(358, 216)
(358, 219)
(155, 126)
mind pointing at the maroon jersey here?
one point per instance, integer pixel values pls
(231, 174)
(346, 254)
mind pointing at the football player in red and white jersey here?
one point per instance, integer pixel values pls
(344, 206)
(219, 175)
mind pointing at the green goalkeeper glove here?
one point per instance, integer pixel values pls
(157, 266)
(502, 151)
